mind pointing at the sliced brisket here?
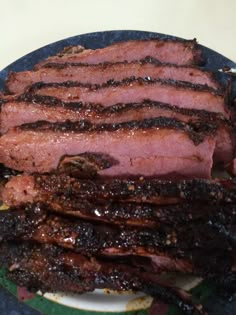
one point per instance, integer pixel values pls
(172, 148)
(26, 189)
(119, 213)
(101, 73)
(132, 90)
(135, 214)
(31, 108)
(35, 223)
(180, 52)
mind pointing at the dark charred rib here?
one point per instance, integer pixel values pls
(172, 51)
(143, 190)
(25, 189)
(135, 214)
(218, 217)
(48, 268)
(36, 223)
(101, 73)
(142, 214)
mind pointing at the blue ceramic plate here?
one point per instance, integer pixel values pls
(100, 301)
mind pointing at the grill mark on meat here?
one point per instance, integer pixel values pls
(23, 189)
(101, 73)
(77, 273)
(184, 52)
(35, 223)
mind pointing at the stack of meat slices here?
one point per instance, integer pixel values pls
(116, 147)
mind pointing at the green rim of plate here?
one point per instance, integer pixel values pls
(199, 293)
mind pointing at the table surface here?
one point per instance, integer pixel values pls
(27, 25)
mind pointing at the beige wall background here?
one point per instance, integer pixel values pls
(26, 25)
